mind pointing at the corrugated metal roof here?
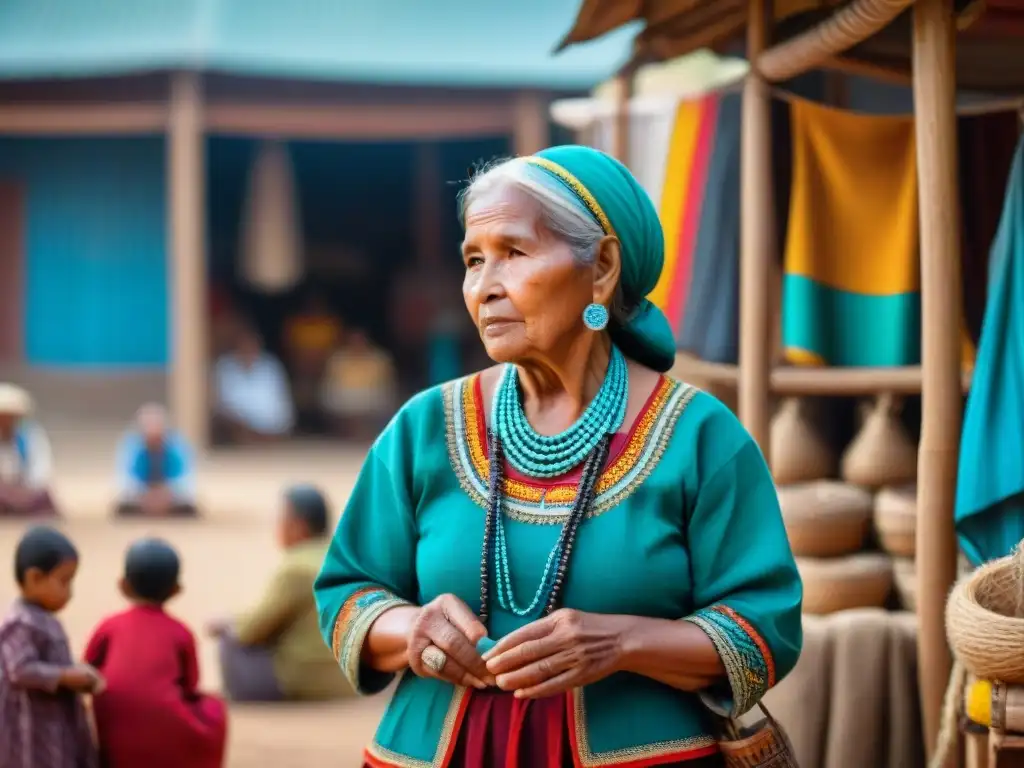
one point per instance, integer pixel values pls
(429, 42)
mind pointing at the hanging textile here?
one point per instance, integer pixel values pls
(649, 135)
(699, 286)
(271, 257)
(990, 484)
(709, 326)
(986, 145)
(851, 285)
(682, 193)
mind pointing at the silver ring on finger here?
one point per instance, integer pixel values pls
(434, 659)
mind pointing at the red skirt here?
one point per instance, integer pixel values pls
(501, 731)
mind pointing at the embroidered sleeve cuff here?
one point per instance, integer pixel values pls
(748, 662)
(354, 620)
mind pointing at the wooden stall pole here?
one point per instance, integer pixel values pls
(757, 236)
(620, 120)
(531, 129)
(427, 211)
(935, 127)
(188, 393)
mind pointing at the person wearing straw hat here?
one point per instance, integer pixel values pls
(25, 458)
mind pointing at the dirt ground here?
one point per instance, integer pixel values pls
(226, 557)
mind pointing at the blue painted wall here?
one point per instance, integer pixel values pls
(96, 292)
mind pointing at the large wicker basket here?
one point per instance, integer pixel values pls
(896, 519)
(985, 620)
(825, 518)
(841, 583)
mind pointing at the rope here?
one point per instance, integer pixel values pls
(985, 620)
(949, 732)
(848, 26)
(985, 627)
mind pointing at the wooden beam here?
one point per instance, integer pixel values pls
(82, 119)
(186, 180)
(344, 122)
(934, 61)
(620, 120)
(530, 130)
(846, 27)
(800, 381)
(835, 382)
(757, 236)
(427, 212)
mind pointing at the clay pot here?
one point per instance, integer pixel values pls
(799, 453)
(825, 518)
(882, 453)
(896, 519)
(841, 583)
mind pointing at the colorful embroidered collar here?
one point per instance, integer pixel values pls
(538, 502)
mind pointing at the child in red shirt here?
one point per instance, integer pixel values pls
(151, 713)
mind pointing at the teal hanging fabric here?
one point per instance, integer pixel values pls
(990, 484)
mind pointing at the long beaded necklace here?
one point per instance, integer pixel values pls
(546, 456)
(589, 438)
(495, 550)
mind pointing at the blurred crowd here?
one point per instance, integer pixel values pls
(330, 379)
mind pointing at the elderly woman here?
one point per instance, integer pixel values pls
(26, 461)
(570, 558)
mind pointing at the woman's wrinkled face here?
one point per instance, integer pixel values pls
(523, 288)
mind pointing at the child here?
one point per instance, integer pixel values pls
(42, 719)
(151, 713)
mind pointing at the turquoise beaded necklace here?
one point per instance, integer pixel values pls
(543, 456)
(546, 456)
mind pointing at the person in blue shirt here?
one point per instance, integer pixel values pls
(155, 469)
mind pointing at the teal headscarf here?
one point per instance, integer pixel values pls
(621, 206)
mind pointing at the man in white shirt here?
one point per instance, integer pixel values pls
(26, 461)
(252, 398)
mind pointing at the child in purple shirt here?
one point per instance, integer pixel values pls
(42, 718)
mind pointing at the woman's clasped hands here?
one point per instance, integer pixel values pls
(557, 653)
(551, 655)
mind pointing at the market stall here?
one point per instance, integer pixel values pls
(932, 45)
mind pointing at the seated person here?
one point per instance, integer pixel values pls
(151, 712)
(155, 470)
(25, 458)
(274, 652)
(310, 337)
(359, 389)
(253, 402)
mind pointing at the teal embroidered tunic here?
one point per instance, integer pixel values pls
(686, 525)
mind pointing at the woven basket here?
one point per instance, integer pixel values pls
(896, 519)
(882, 453)
(905, 575)
(799, 453)
(985, 620)
(825, 518)
(841, 583)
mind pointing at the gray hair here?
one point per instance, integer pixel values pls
(563, 214)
